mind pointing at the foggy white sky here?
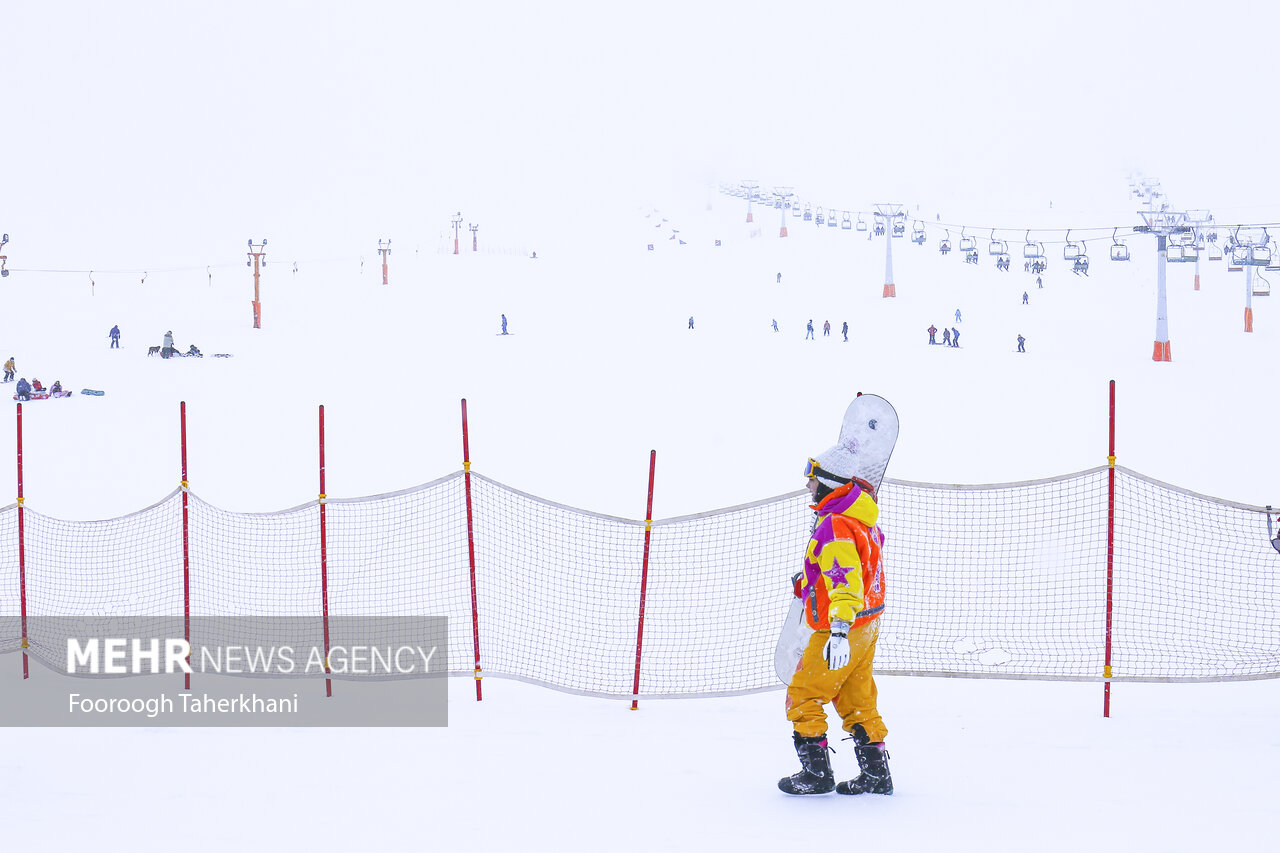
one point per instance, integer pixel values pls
(150, 134)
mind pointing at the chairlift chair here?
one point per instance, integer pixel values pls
(1180, 253)
(917, 234)
(998, 247)
(862, 225)
(845, 222)
(899, 227)
(818, 219)
(1119, 252)
(968, 244)
(831, 219)
(808, 213)
(1261, 287)
(1245, 255)
(1033, 250)
(795, 208)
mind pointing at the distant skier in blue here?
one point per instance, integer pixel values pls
(955, 336)
(1025, 298)
(808, 335)
(504, 324)
(1021, 343)
(114, 334)
(775, 325)
(946, 337)
(957, 315)
(690, 321)
(845, 330)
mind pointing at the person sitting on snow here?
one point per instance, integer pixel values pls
(194, 351)
(56, 388)
(24, 389)
(36, 386)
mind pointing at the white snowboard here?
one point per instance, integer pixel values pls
(792, 640)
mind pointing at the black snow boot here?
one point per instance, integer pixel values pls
(873, 761)
(815, 768)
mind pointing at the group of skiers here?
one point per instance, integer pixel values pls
(826, 330)
(951, 337)
(35, 388)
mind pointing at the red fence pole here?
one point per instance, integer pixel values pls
(1111, 543)
(324, 562)
(644, 579)
(471, 548)
(22, 554)
(186, 543)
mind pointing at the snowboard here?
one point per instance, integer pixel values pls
(91, 392)
(792, 640)
(36, 395)
(868, 434)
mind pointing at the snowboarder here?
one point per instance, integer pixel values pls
(775, 325)
(9, 369)
(1025, 298)
(826, 329)
(504, 324)
(844, 330)
(808, 331)
(957, 315)
(24, 389)
(946, 337)
(1021, 342)
(36, 385)
(1039, 283)
(842, 587)
(166, 349)
(955, 336)
(55, 390)
(690, 321)
(933, 330)
(114, 334)
(779, 278)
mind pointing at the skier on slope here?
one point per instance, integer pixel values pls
(842, 587)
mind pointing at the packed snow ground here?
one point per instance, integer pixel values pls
(600, 368)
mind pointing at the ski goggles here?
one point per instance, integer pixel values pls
(813, 469)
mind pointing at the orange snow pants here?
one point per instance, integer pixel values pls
(852, 689)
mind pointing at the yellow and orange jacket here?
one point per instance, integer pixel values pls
(843, 577)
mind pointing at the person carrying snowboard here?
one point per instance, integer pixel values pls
(842, 587)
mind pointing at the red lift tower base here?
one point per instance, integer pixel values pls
(890, 291)
(1162, 352)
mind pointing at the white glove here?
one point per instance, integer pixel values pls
(836, 651)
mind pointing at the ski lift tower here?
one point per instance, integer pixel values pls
(1199, 220)
(457, 223)
(889, 212)
(257, 260)
(750, 187)
(4, 273)
(1162, 223)
(383, 250)
(1250, 250)
(784, 195)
